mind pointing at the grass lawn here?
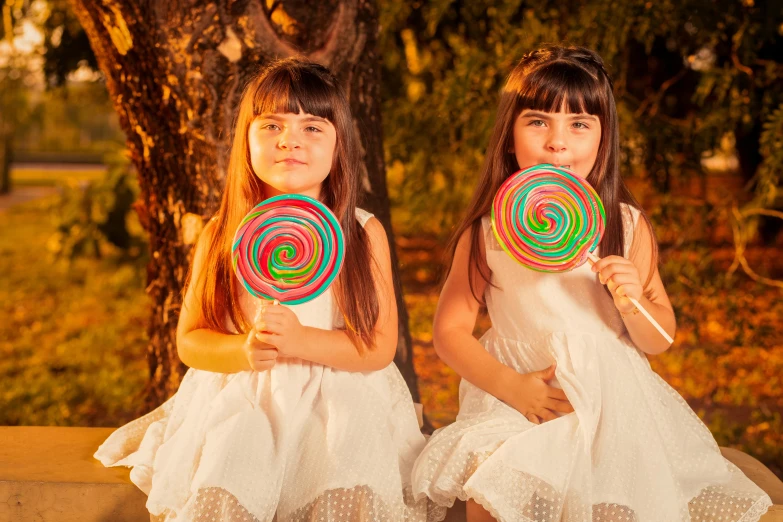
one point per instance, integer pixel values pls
(73, 335)
(44, 177)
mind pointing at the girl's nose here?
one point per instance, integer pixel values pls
(556, 138)
(556, 144)
(288, 141)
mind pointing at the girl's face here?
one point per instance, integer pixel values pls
(562, 139)
(291, 153)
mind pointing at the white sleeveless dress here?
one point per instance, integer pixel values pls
(300, 442)
(632, 451)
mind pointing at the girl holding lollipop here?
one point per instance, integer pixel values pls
(561, 417)
(287, 413)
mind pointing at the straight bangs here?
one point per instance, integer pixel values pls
(287, 90)
(561, 86)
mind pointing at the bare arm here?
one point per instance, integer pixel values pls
(334, 348)
(625, 277)
(455, 319)
(205, 349)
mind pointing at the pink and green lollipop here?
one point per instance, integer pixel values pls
(547, 218)
(551, 220)
(289, 248)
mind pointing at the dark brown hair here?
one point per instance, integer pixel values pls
(550, 79)
(290, 86)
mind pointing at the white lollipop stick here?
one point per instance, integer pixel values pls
(594, 259)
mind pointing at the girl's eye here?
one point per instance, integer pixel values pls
(271, 126)
(313, 129)
(537, 123)
(580, 125)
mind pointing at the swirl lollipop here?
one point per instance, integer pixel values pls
(289, 248)
(551, 220)
(547, 218)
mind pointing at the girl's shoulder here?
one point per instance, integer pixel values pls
(490, 241)
(362, 216)
(631, 216)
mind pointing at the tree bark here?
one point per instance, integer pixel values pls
(175, 71)
(6, 157)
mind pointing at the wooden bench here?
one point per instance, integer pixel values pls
(47, 474)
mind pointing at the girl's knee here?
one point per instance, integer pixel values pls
(476, 513)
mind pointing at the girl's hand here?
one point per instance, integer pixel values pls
(279, 326)
(622, 278)
(259, 355)
(533, 397)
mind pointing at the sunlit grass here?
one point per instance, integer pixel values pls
(24, 176)
(73, 335)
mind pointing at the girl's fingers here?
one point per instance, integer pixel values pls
(619, 278)
(274, 311)
(546, 415)
(268, 338)
(533, 418)
(614, 286)
(625, 290)
(623, 265)
(608, 275)
(622, 279)
(269, 325)
(251, 334)
(262, 366)
(606, 261)
(275, 328)
(559, 406)
(556, 393)
(604, 277)
(265, 354)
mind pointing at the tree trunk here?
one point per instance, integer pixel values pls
(175, 71)
(6, 157)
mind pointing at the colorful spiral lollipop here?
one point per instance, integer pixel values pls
(289, 248)
(551, 220)
(548, 218)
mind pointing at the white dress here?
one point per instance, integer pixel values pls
(632, 451)
(300, 442)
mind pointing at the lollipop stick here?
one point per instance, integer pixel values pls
(652, 320)
(594, 259)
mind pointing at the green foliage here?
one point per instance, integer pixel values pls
(14, 101)
(65, 46)
(769, 191)
(73, 118)
(686, 74)
(43, 45)
(66, 43)
(91, 213)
